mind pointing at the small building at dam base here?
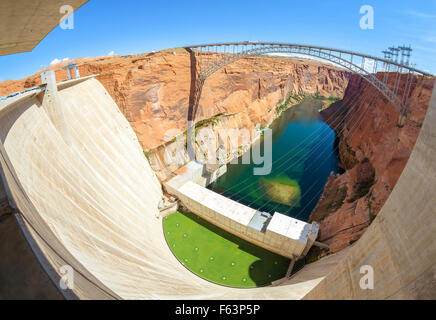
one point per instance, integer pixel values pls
(279, 233)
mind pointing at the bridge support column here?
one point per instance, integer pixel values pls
(52, 105)
(190, 140)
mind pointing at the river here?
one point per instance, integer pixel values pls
(302, 159)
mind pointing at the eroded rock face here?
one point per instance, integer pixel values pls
(374, 151)
(152, 91)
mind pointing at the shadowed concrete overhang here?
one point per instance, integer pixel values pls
(24, 23)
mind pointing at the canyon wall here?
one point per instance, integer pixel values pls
(152, 91)
(373, 150)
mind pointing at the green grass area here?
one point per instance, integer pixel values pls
(219, 256)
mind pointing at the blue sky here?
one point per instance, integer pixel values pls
(135, 26)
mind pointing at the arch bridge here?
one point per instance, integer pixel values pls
(209, 58)
(392, 79)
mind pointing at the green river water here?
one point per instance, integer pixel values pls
(302, 159)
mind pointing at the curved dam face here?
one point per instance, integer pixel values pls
(90, 203)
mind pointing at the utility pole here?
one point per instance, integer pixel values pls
(394, 52)
(405, 54)
(387, 56)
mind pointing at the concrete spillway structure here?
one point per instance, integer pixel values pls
(91, 204)
(283, 235)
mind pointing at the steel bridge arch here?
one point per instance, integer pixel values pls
(327, 54)
(383, 88)
(209, 58)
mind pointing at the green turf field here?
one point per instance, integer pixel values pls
(219, 256)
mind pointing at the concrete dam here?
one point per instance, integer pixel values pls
(84, 196)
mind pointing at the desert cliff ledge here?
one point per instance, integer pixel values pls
(373, 150)
(152, 91)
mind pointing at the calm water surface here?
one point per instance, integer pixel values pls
(302, 159)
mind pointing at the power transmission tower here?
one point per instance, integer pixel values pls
(394, 52)
(405, 54)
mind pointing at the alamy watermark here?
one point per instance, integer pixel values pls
(67, 20)
(218, 147)
(367, 20)
(367, 280)
(67, 279)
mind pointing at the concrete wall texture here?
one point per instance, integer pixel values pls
(24, 23)
(291, 242)
(92, 205)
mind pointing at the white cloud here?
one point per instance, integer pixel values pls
(56, 61)
(111, 53)
(429, 39)
(420, 14)
(369, 65)
(428, 49)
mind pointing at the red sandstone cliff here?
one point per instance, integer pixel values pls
(374, 151)
(152, 91)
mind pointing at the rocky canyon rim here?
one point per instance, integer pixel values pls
(152, 92)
